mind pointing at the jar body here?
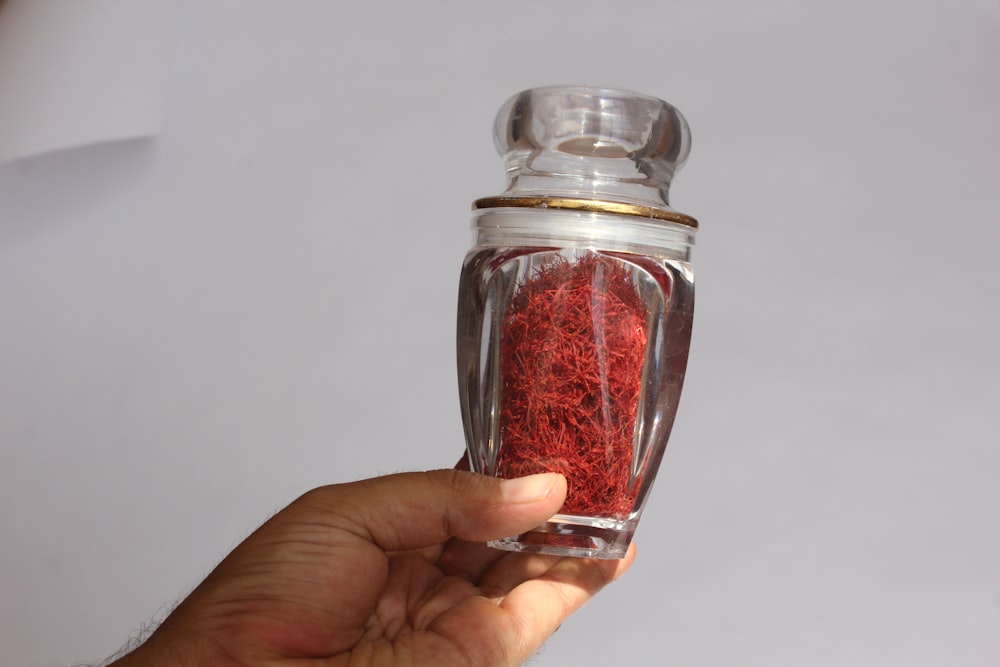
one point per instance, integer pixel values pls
(573, 337)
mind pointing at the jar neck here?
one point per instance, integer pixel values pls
(524, 181)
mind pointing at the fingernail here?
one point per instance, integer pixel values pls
(528, 489)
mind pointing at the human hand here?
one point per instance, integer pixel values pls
(386, 571)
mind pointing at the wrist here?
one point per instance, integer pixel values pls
(161, 649)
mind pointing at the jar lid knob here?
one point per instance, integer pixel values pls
(600, 143)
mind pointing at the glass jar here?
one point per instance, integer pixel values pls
(575, 307)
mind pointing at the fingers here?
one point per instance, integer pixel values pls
(415, 510)
(507, 574)
(537, 594)
(542, 602)
(572, 581)
(468, 560)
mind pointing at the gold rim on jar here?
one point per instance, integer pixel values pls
(586, 205)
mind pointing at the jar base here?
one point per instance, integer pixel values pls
(580, 537)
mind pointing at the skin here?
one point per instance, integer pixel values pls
(384, 572)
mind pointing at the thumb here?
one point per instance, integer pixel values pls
(415, 510)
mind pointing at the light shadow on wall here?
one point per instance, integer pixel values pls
(40, 192)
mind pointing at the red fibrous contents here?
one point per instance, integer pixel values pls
(571, 357)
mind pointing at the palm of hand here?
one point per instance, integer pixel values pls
(327, 580)
(469, 605)
(459, 603)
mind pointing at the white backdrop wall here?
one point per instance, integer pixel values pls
(196, 328)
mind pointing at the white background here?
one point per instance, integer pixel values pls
(195, 329)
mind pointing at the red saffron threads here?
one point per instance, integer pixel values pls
(571, 357)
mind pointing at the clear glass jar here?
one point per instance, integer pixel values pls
(575, 308)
